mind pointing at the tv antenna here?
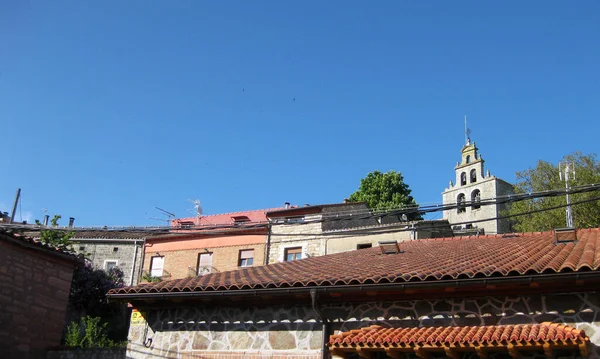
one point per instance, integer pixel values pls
(563, 174)
(197, 207)
(167, 213)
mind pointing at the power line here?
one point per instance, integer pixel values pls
(219, 229)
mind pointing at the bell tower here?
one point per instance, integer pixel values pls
(472, 185)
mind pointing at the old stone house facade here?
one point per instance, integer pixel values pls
(113, 248)
(473, 186)
(35, 281)
(310, 231)
(527, 295)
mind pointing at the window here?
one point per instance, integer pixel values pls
(463, 179)
(476, 199)
(460, 203)
(468, 159)
(246, 258)
(110, 264)
(186, 224)
(115, 249)
(239, 220)
(291, 254)
(364, 245)
(473, 176)
(156, 266)
(204, 263)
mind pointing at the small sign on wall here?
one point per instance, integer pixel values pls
(137, 318)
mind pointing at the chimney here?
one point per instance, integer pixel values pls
(287, 205)
(346, 200)
(71, 220)
(46, 217)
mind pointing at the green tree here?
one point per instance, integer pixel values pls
(382, 191)
(544, 177)
(55, 237)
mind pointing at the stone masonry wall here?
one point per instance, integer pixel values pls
(34, 290)
(308, 236)
(120, 251)
(283, 331)
(274, 332)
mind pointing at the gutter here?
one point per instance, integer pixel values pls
(324, 320)
(347, 288)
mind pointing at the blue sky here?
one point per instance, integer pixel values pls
(110, 108)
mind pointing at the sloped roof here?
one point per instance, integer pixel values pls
(254, 216)
(36, 244)
(544, 335)
(419, 261)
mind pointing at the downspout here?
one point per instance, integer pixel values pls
(268, 249)
(324, 320)
(133, 261)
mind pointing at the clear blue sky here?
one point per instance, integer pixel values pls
(110, 108)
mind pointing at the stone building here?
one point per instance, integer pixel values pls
(35, 281)
(113, 248)
(471, 187)
(527, 295)
(309, 231)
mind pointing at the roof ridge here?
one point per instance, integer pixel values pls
(227, 213)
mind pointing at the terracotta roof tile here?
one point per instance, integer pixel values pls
(421, 260)
(376, 336)
(37, 244)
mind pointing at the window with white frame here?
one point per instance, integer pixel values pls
(156, 266)
(110, 264)
(246, 258)
(204, 263)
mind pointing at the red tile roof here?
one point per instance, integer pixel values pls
(255, 216)
(420, 261)
(378, 336)
(544, 335)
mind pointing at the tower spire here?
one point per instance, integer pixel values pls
(467, 133)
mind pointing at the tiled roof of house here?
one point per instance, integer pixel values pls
(419, 261)
(25, 241)
(493, 336)
(254, 216)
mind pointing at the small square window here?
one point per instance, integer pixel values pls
(82, 248)
(292, 254)
(246, 258)
(115, 249)
(110, 264)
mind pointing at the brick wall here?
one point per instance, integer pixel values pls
(183, 263)
(34, 290)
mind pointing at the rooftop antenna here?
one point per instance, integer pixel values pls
(169, 214)
(197, 207)
(563, 174)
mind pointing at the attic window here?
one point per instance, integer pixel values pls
(565, 235)
(389, 247)
(186, 224)
(240, 219)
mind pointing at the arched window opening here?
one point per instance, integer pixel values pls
(463, 179)
(460, 204)
(476, 199)
(473, 175)
(468, 159)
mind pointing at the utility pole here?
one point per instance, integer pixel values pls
(12, 215)
(564, 176)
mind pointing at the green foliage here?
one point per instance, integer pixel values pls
(56, 238)
(382, 191)
(545, 176)
(146, 276)
(88, 298)
(89, 333)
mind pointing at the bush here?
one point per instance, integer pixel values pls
(89, 333)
